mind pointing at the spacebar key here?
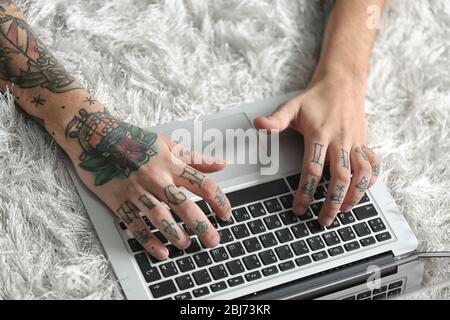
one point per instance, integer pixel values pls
(258, 192)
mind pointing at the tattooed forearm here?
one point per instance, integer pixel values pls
(361, 153)
(193, 176)
(111, 148)
(362, 185)
(309, 187)
(173, 196)
(317, 153)
(24, 60)
(143, 236)
(146, 201)
(170, 229)
(338, 195)
(127, 212)
(376, 170)
(220, 197)
(344, 158)
(202, 227)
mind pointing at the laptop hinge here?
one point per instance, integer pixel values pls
(328, 281)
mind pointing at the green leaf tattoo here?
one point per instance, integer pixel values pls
(111, 148)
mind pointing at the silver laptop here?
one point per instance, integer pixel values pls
(265, 252)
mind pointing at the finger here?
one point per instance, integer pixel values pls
(339, 183)
(193, 158)
(129, 214)
(191, 214)
(280, 119)
(375, 162)
(206, 188)
(162, 219)
(312, 168)
(362, 171)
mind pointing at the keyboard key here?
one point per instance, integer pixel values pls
(346, 234)
(300, 231)
(284, 266)
(352, 246)
(168, 269)
(272, 205)
(303, 261)
(218, 272)
(346, 217)
(367, 241)
(334, 224)
(287, 201)
(227, 223)
(377, 225)
(252, 276)
(326, 173)
(200, 292)
(174, 252)
(335, 251)
(188, 230)
(204, 206)
(316, 207)
(319, 255)
(235, 267)
(364, 199)
(163, 288)
(315, 243)
(183, 296)
(160, 237)
(202, 259)
(252, 245)
(256, 210)
(194, 247)
(148, 223)
(258, 192)
(240, 231)
(184, 282)
(219, 286)
(331, 238)
(256, 226)
(320, 193)
(306, 216)
(151, 274)
(284, 235)
(383, 236)
(299, 247)
(350, 298)
(284, 252)
(236, 249)
(268, 257)
(293, 181)
(201, 277)
(364, 212)
(225, 236)
(361, 229)
(364, 295)
(251, 262)
(379, 296)
(269, 271)
(213, 221)
(219, 254)
(394, 293)
(241, 214)
(288, 217)
(395, 285)
(272, 222)
(379, 290)
(185, 264)
(135, 246)
(268, 240)
(233, 282)
(314, 226)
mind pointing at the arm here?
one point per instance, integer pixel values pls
(132, 170)
(330, 114)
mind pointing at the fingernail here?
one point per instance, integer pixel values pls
(215, 241)
(162, 254)
(346, 208)
(187, 244)
(326, 221)
(300, 209)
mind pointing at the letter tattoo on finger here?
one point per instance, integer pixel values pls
(146, 201)
(376, 170)
(362, 184)
(309, 187)
(127, 213)
(344, 158)
(317, 153)
(361, 153)
(193, 176)
(170, 229)
(338, 195)
(143, 236)
(173, 196)
(220, 197)
(202, 227)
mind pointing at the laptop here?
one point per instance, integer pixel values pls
(265, 251)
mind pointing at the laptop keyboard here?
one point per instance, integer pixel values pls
(387, 291)
(262, 240)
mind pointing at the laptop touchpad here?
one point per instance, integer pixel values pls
(232, 138)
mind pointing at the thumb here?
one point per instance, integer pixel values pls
(280, 119)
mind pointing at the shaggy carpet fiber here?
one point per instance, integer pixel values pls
(152, 62)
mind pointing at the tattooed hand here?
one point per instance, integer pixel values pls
(330, 115)
(135, 171)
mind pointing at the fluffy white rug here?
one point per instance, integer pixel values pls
(157, 61)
